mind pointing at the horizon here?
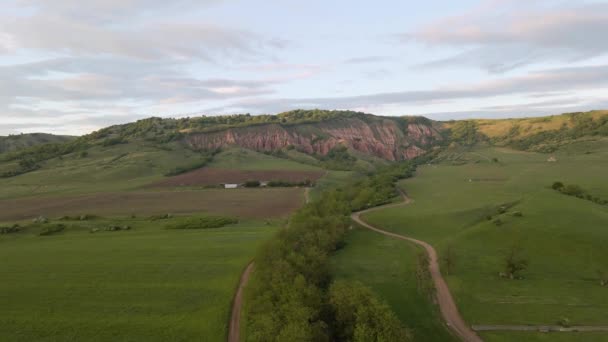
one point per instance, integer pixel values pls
(274, 114)
(70, 70)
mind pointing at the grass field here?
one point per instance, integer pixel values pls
(145, 284)
(563, 237)
(388, 267)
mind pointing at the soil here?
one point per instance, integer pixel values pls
(214, 176)
(245, 203)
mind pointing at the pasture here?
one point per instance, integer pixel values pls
(457, 204)
(145, 284)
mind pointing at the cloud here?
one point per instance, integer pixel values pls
(366, 60)
(131, 28)
(552, 80)
(503, 35)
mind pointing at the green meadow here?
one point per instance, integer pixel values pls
(147, 283)
(456, 206)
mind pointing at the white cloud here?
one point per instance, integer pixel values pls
(503, 35)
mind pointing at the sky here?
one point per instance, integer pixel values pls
(70, 68)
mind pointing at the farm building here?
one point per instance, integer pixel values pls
(231, 186)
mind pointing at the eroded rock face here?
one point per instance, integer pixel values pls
(382, 137)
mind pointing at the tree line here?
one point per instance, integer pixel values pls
(293, 297)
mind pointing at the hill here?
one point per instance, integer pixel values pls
(334, 140)
(16, 142)
(539, 134)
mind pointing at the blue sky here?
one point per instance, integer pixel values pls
(70, 68)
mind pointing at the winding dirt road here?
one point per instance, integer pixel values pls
(234, 327)
(448, 308)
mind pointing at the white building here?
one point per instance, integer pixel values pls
(231, 186)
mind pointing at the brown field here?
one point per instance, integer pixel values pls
(246, 203)
(214, 176)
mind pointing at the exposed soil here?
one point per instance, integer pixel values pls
(447, 306)
(213, 176)
(246, 203)
(234, 329)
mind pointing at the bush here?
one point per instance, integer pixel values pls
(51, 229)
(203, 222)
(252, 184)
(9, 230)
(161, 217)
(573, 190)
(557, 185)
(113, 141)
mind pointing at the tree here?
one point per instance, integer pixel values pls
(360, 317)
(515, 262)
(557, 186)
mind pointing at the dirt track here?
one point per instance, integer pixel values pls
(448, 308)
(234, 329)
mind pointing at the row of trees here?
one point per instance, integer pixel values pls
(292, 297)
(577, 191)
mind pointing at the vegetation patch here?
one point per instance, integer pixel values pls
(577, 191)
(292, 283)
(203, 222)
(15, 228)
(50, 229)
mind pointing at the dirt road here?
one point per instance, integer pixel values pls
(234, 328)
(448, 308)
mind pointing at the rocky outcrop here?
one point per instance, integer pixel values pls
(386, 138)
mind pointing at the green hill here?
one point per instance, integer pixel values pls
(17, 142)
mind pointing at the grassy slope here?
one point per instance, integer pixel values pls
(493, 128)
(146, 284)
(243, 159)
(114, 168)
(126, 167)
(564, 237)
(16, 142)
(388, 266)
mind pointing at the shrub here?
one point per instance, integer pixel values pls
(161, 217)
(573, 190)
(9, 230)
(113, 141)
(557, 185)
(203, 222)
(252, 184)
(515, 263)
(51, 229)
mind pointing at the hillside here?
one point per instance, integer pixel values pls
(539, 134)
(334, 140)
(16, 142)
